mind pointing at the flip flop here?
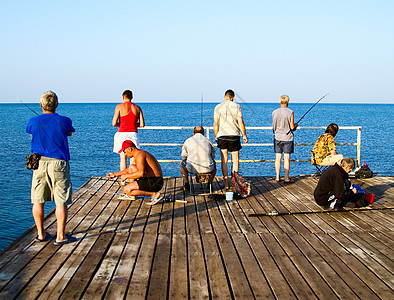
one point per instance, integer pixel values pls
(290, 181)
(47, 238)
(154, 201)
(70, 239)
(127, 197)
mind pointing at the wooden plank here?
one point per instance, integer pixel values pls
(120, 280)
(150, 256)
(14, 261)
(139, 281)
(103, 276)
(275, 279)
(178, 222)
(256, 277)
(374, 260)
(178, 285)
(218, 281)
(239, 216)
(159, 274)
(328, 247)
(320, 287)
(297, 283)
(68, 268)
(198, 283)
(204, 221)
(316, 258)
(237, 279)
(168, 208)
(192, 226)
(355, 258)
(77, 285)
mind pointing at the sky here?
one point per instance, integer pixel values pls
(173, 51)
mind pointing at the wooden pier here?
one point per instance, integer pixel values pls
(209, 248)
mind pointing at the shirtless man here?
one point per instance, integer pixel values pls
(145, 176)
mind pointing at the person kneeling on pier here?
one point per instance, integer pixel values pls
(334, 189)
(198, 156)
(145, 176)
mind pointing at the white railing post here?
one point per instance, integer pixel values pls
(359, 147)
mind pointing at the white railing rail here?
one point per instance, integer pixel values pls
(209, 129)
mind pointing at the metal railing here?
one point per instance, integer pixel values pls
(209, 129)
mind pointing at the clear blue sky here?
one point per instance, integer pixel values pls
(90, 51)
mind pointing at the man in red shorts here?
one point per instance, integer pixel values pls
(145, 176)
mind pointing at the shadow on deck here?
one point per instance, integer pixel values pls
(208, 247)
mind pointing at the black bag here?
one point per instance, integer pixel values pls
(363, 172)
(32, 161)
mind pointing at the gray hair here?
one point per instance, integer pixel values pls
(49, 101)
(348, 162)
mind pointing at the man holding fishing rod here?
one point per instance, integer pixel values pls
(283, 127)
(51, 180)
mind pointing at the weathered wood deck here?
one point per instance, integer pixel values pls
(209, 248)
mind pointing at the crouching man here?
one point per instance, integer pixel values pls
(334, 187)
(145, 176)
(198, 156)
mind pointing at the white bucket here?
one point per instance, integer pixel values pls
(229, 196)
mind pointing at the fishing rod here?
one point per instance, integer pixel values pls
(275, 213)
(311, 108)
(308, 111)
(29, 108)
(202, 106)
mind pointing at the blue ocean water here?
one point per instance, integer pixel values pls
(91, 144)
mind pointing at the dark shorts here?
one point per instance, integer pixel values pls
(150, 184)
(230, 142)
(284, 146)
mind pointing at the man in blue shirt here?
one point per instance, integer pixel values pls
(51, 181)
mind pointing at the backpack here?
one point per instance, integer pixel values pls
(363, 172)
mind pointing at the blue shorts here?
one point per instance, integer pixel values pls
(284, 146)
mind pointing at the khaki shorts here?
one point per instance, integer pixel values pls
(51, 182)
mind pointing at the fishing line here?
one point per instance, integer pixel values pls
(275, 213)
(238, 96)
(29, 108)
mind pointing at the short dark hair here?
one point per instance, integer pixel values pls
(128, 94)
(332, 129)
(229, 93)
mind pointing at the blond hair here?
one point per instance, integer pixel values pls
(284, 99)
(49, 101)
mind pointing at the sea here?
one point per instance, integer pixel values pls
(91, 145)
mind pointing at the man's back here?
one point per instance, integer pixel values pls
(281, 124)
(49, 135)
(151, 167)
(199, 151)
(227, 114)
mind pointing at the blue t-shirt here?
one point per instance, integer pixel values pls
(49, 135)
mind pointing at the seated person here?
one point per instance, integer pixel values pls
(325, 150)
(198, 156)
(145, 176)
(334, 187)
